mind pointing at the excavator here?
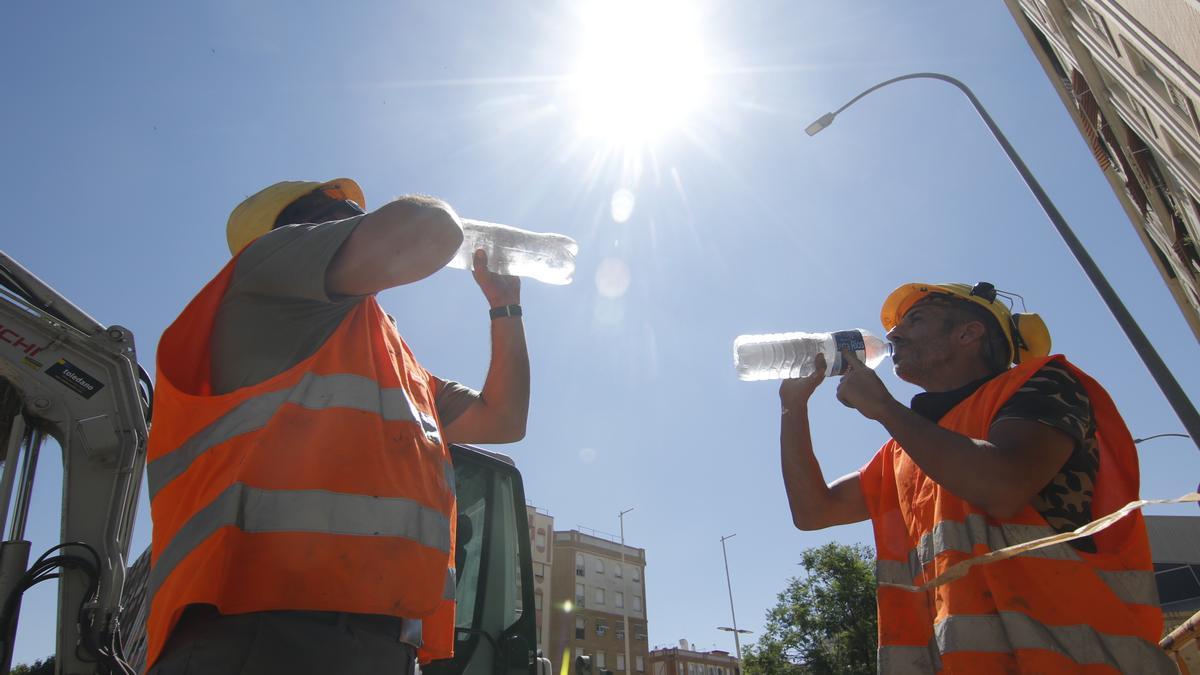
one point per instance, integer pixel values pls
(66, 377)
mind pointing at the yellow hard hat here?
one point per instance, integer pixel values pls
(1027, 334)
(255, 216)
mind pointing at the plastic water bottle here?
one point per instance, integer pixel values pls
(547, 257)
(781, 356)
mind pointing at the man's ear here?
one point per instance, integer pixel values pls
(971, 331)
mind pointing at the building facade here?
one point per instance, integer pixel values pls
(1127, 72)
(1175, 547)
(597, 588)
(541, 533)
(684, 661)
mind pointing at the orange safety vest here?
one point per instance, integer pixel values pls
(327, 487)
(1052, 610)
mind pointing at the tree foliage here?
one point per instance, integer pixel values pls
(825, 621)
(39, 667)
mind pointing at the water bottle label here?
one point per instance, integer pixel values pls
(846, 340)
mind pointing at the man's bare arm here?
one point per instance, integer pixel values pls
(1000, 475)
(499, 414)
(396, 244)
(814, 504)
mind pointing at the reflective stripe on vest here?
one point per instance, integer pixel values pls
(314, 392)
(1009, 631)
(412, 630)
(255, 510)
(1131, 586)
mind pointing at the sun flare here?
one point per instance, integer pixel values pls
(640, 70)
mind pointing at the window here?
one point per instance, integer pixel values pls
(620, 662)
(1177, 581)
(600, 665)
(579, 651)
(618, 599)
(539, 539)
(580, 626)
(537, 601)
(1037, 10)
(1142, 113)
(617, 571)
(601, 627)
(1174, 95)
(599, 597)
(580, 593)
(639, 663)
(579, 571)
(1181, 102)
(599, 566)
(637, 603)
(539, 570)
(637, 574)
(1097, 20)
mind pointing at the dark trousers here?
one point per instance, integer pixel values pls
(296, 643)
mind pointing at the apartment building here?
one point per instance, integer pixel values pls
(1127, 72)
(597, 589)
(684, 660)
(541, 531)
(1175, 548)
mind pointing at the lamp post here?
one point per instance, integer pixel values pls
(624, 604)
(737, 643)
(1158, 369)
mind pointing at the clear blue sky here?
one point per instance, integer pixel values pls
(130, 130)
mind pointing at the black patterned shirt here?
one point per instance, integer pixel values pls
(1054, 397)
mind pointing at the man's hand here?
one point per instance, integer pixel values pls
(795, 392)
(499, 289)
(862, 389)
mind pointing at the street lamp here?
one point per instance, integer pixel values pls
(736, 632)
(737, 643)
(624, 603)
(1158, 369)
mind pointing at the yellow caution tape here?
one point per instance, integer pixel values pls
(960, 569)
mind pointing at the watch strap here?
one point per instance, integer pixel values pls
(506, 310)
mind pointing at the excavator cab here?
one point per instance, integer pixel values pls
(495, 628)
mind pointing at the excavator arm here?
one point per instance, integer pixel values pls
(65, 376)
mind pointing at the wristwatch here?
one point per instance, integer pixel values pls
(506, 310)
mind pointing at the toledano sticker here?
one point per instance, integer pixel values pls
(850, 341)
(74, 378)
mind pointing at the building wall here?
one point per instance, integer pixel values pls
(584, 617)
(678, 661)
(1175, 549)
(541, 540)
(1127, 72)
(1176, 24)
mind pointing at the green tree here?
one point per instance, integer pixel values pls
(39, 667)
(824, 621)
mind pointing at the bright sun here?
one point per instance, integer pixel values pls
(641, 69)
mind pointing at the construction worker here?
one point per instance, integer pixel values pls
(301, 484)
(991, 454)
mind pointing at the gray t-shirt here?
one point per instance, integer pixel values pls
(276, 311)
